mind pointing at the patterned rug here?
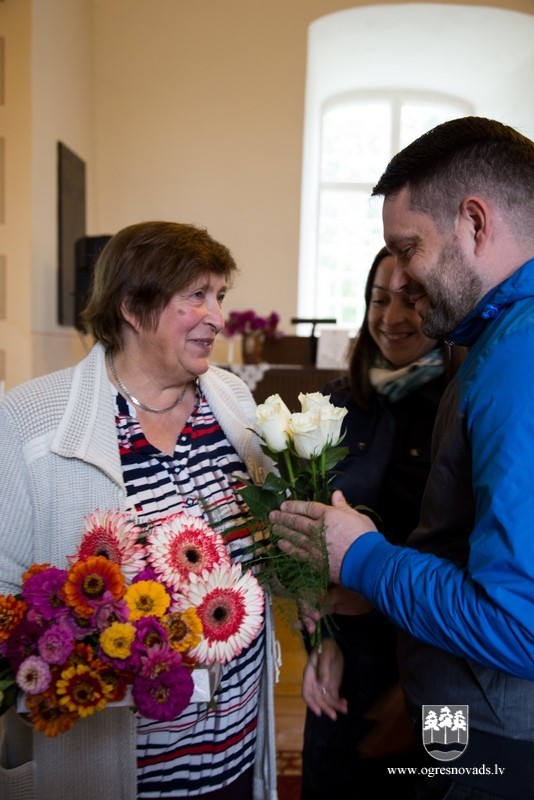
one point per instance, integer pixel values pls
(288, 762)
(288, 787)
(289, 768)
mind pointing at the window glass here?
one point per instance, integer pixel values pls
(355, 141)
(350, 224)
(418, 117)
(359, 137)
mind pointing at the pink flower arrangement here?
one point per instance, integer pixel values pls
(136, 610)
(245, 322)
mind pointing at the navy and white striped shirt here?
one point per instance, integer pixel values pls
(209, 745)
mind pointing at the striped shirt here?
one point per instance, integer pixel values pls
(209, 745)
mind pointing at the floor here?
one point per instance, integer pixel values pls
(289, 706)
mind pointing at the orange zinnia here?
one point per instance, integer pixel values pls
(88, 581)
(12, 611)
(34, 570)
(47, 715)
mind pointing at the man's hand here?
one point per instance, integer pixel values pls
(296, 520)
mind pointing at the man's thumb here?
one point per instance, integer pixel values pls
(338, 499)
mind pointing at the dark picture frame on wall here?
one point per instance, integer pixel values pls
(71, 228)
(87, 251)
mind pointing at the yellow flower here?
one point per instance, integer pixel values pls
(147, 599)
(116, 641)
(80, 690)
(184, 629)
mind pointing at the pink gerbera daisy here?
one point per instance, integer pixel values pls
(183, 544)
(112, 534)
(230, 605)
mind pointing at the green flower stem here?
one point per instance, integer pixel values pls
(320, 492)
(313, 465)
(291, 473)
(316, 638)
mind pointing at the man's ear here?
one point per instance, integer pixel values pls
(476, 213)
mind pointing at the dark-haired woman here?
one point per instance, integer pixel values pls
(395, 380)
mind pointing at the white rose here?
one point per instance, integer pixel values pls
(272, 418)
(312, 430)
(313, 400)
(306, 432)
(331, 421)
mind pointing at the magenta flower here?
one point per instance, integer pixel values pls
(150, 634)
(244, 322)
(81, 627)
(56, 644)
(147, 574)
(164, 687)
(22, 643)
(44, 592)
(159, 659)
(108, 610)
(33, 675)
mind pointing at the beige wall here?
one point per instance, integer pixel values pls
(201, 119)
(15, 242)
(48, 97)
(190, 111)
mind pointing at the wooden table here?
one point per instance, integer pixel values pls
(287, 380)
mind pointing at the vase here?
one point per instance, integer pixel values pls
(252, 348)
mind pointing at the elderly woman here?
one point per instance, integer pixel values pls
(146, 425)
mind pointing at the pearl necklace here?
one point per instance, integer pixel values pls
(137, 402)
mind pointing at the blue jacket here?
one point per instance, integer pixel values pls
(465, 584)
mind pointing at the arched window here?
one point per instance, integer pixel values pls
(359, 135)
(378, 77)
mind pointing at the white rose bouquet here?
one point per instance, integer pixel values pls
(306, 449)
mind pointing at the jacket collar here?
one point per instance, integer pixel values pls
(519, 286)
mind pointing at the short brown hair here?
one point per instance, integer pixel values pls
(464, 156)
(144, 265)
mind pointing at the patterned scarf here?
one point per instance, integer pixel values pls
(397, 383)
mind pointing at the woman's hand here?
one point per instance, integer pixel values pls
(322, 680)
(339, 601)
(309, 617)
(297, 521)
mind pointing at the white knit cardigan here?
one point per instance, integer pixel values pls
(60, 461)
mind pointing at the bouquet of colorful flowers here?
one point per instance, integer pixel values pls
(138, 610)
(306, 447)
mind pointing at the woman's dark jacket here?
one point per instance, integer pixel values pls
(389, 454)
(386, 470)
